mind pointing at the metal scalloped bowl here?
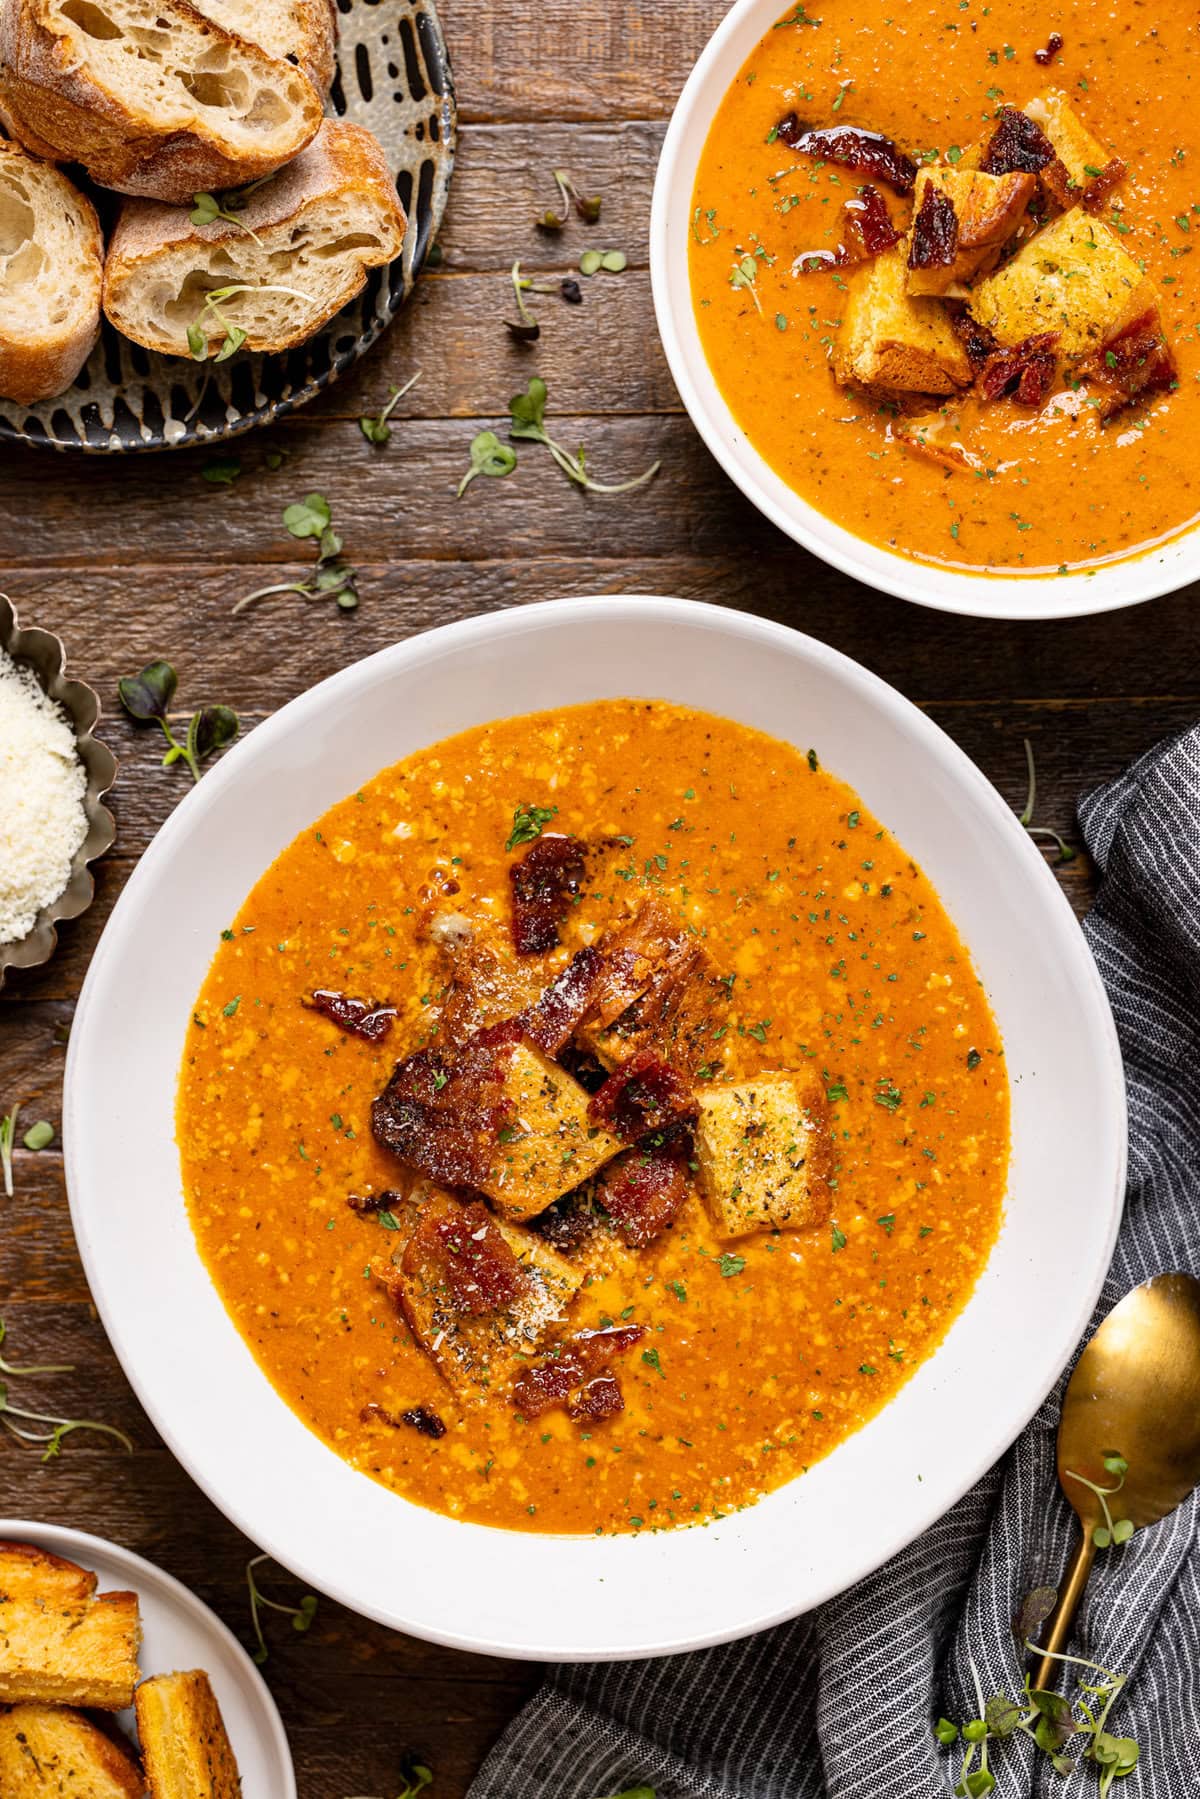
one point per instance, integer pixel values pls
(44, 654)
(393, 77)
(592, 1597)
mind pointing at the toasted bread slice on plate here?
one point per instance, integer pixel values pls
(300, 31)
(61, 1643)
(184, 1745)
(152, 97)
(52, 1753)
(51, 270)
(299, 252)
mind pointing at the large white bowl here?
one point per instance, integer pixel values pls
(590, 1598)
(1157, 571)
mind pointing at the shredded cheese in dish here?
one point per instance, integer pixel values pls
(42, 787)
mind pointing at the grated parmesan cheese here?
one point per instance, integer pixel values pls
(42, 788)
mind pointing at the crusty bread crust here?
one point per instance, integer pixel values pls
(59, 106)
(51, 1753)
(183, 1738)
(155, 245)
(50, 285)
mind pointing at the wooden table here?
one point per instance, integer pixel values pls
(137, 558)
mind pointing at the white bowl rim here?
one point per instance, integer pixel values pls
(1062, 1334)
(1145, 575)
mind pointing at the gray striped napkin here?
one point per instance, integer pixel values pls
(841, 1702)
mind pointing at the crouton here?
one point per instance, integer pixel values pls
(548, 1144)
(478, 1295)
(1072, 279)
(891, 339)
(61, 1643)
(657, 991)
(758, 1151)
(183, 1738)
(48, 1752)
(988, 210)
(1088, 166)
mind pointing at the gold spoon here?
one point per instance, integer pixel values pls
(1134, 1395)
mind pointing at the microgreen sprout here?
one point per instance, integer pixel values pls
(377, 430)
(8, 1131)
(59, 1428)
(527, 331)
(613, 262)
(1111, 1531)
(332, 579)
(488, 457)
(528, 413)
(147, 697)
(588, 207)
(744, 275)
(416, 1777)
(39, 1135)
(1066, 853)
(201, 332)
(208, 208)
(301, 1615)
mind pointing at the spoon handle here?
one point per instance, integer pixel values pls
(1058, 1630)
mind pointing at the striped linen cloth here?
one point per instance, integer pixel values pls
(840, 1703)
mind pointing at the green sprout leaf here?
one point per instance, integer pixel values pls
(488, 457)
(309, 517)
(146, 698)
(148, 695)
(527, 413)
(529, 822)
(301, 1615)
(39, 1136)
(377, 430)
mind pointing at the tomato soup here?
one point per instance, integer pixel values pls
(1049, 487)
(755, 1354)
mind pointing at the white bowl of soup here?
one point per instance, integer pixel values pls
(1009, 440)
(854, 1297)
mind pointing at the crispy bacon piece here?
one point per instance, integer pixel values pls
(465, 1252)
(1018, 146)
(644, 1094)
(418, 1417)
(360, 1017)
(1026, 370)
(976, 339)
(566, 1225)
(367, 1205)
(1101, 186)
(441, 1113)
(867, 152)
(573, 1366)
(544, 882)
(1054, 44)
(934, 242)
(554, 1018)
(642, 1191)
(601, 1398)
(1135, 364)
(868, 217)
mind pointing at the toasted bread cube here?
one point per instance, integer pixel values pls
(659, 991)
(1083, 157)
(1073, 278)
(60, 1642)
(549, 1145)
(479, 1295)
(47, 1752)
(891, 339)
(757, 1150)
(989, 210)
(184, 1742)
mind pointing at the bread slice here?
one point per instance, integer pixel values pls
(1074, 278)
(299, 31)
(184, 1743)
(314, 231)
(891, 339)
(149, 95)
(48, 1753)
(60, 1642)
(51, 269)
(988, 211)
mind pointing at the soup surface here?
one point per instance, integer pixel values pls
(759, 1353)
(1049, 491)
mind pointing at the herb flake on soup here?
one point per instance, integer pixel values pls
(593, 1120)
(940, 267)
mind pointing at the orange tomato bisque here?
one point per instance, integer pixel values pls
(761, 1353)
(1051, 489)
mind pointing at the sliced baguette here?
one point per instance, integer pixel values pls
(319, 225)
(61, 1643)
(184, 1743)
(51, 270)
(149, 95)
(299, 31)
(48, 1753)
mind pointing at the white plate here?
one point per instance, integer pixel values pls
(179, 1633)
(540, 1596)
(1155, 572)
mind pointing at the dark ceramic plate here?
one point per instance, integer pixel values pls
(394, 77)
